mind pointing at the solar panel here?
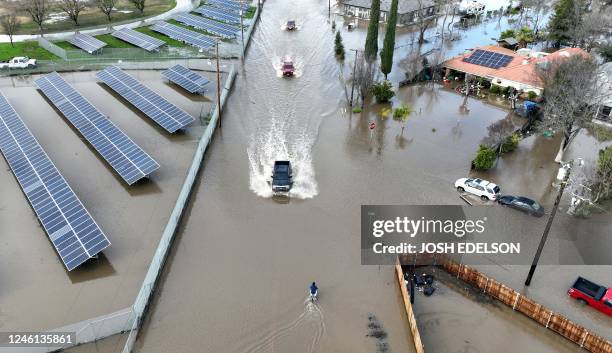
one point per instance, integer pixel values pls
(233, 6)
(86, 42)
(71, 229)
(488, 59)
(186, 78)
(164, 113)
(138, 39)
(184, 35)
(214, 27)
(125, 156)
(218, 14)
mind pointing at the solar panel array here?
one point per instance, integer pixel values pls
(164, 113)
(233, 6)
(184, 35)
(138, 39)
(186, 78)
(86, 42)
(125, 156)
(219, 14)
(488, 59)
(214, 27)
(71, 229)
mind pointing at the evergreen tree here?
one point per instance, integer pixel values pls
(339, 47)
(565, 21)
(386, 54)
(371, 43)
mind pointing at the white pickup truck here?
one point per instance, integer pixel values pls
(19, 62)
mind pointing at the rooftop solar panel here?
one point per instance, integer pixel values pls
(184, 35)
(164, 113)
(138, 39)
(214, 27)
(86, 42)
(488, 59)
(71, 229)
(218, 14)
(186, 78)
(125, 156)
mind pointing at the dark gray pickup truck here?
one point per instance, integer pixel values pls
(282, 179)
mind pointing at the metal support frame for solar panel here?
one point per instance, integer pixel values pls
(123, 154)
(138, 39)
(164, 113)
(73, 232)
(488, 59)
(218, 14)
(184, 35)
(189, 80)
(86, 42)
(214, 27)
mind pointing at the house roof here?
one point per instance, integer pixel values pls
(509, 40)
(403, 6)
(521, 69)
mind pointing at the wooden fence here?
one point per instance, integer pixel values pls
(416, 336)
(529, 308)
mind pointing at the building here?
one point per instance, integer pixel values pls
(407, 10)
(517, 69)
(604, 111)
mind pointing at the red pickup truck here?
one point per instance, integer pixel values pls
(592, 294)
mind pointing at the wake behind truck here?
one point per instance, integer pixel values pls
(587, 292)
(18, 62)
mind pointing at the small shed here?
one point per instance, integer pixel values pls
(510, 43)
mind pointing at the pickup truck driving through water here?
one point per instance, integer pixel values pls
(282, 177)
(19, 62)
(592, 294)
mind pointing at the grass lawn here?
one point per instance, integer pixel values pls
(171, 42)
(250, 12)
(113, 42)
(65, 45)
(92, 16)
(30, 48)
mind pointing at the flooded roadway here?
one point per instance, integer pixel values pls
(237, 277)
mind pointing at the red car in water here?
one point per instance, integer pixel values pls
(288, 68)
(587, 292)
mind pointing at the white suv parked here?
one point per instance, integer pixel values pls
(485, 189)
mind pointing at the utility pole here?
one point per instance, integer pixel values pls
(536, 258)
(353, 81)
(329, 8)
(218, 86)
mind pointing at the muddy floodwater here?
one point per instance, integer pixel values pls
(237, 278)
(37, 292)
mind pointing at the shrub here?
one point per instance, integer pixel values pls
(383, 91)
(356, 110)
(401, 113)
(485, 158)
(495, 89)
(531, 95)
(511, 143)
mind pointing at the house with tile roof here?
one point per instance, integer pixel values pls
(520, 72)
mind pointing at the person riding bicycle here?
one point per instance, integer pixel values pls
(313, 289)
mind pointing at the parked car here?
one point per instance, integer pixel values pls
(18, 62)
(288, 68)
(282, 179)
(522, 204)
(587, 292)
(479, 187)
(291, 25)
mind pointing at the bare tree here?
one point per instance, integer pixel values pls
(107, 6)
(140, 5)
(38, 10)
(364, 77)
(424, 19)
(499, 132)
(72, 8)
(572, 92)
(593, 25)
(10, 23)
